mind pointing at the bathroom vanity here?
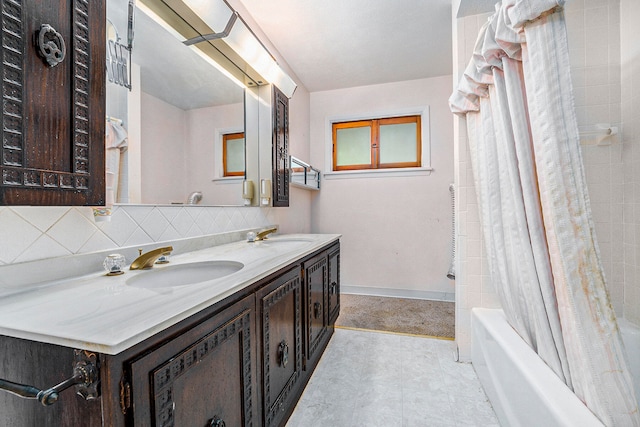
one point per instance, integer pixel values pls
(233, 351)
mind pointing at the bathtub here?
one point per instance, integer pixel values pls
(520, 386)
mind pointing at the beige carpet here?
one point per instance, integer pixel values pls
(398, 315)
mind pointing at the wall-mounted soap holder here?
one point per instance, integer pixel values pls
(600, 134)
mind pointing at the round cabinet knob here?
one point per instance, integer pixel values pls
(216, 422)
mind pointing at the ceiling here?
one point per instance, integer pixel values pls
(333, 44)
(329, 44)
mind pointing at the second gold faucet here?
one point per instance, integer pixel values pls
(148, 259)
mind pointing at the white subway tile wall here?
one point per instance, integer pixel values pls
(473, 286)
(628, 244)
(33, 233)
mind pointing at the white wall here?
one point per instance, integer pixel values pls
(396, 230)
(163, 149)
(473, 285)
(204, 153)
(180, 150)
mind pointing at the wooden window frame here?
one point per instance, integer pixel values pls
(375, 124)
(226, 137)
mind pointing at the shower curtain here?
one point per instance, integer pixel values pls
(517, 98)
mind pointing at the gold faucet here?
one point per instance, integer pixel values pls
(262, 235)
(147, 260)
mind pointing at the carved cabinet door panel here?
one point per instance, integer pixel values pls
(334, 284)
(203, 377)
(315, 287)
(53, 93)
(280, 318)
(280, 149)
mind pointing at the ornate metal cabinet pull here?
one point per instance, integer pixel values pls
(50, 45)
(317, 310)
(216, 422)
(334, 287)
(283, 354)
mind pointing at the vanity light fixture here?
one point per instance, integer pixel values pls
(160, 21)
(226, 24)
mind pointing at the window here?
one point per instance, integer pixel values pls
(233, 154)
(377, 144)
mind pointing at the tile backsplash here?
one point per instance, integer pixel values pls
(34, 233)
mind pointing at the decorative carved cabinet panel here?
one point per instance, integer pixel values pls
(280, 148)
(53, 116)
(201, 378)
(281, 327)
(333, 300)
(315, 287)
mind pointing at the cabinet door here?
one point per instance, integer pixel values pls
(202, 377)
(53, 115)
(315, 280)
(334, 285)
(280, 148)
(281, 320)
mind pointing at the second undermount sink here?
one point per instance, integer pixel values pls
(285, 242)
(184, 274)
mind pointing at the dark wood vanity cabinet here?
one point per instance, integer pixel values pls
(53, 113)
(280, 155)
(333, 300)
(203, 377)
(315, 273)
(281, 345)
(243, 361)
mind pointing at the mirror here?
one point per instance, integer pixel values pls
(175, 118)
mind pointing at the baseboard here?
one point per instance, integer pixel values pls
(398, 293)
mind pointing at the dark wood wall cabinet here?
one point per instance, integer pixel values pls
(280, 155)
(53, 113)
(242, 362)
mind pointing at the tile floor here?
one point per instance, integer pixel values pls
(376, 379)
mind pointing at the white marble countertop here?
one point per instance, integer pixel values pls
(107, 315)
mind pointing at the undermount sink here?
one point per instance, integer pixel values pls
(184, 274)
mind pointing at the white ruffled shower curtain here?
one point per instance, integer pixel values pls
(517, 97)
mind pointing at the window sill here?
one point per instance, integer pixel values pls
(378, 173)
(228, 180)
